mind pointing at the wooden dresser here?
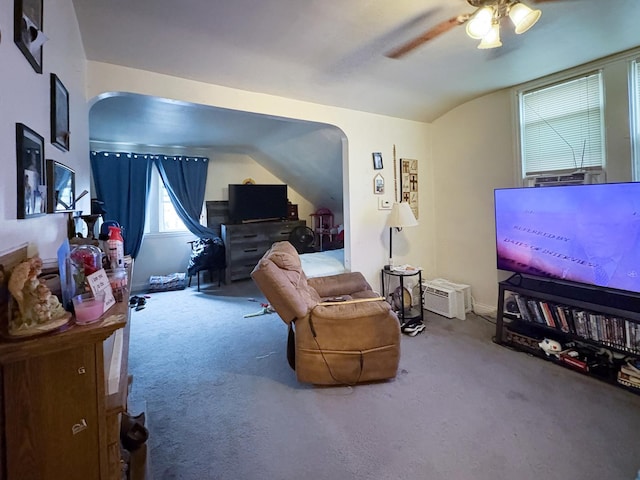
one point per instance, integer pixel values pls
(246, 243)
(61, 397)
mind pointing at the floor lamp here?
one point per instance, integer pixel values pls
(401, 216)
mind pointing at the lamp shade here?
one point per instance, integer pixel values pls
(523, 17)
(480, 23)
(491, 39)
(401, 216)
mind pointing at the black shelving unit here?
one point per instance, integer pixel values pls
(598, 329)
(395, 279)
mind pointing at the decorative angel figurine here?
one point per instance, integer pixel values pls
(37, 306)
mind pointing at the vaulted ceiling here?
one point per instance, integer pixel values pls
(333, 52)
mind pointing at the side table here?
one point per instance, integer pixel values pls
(406, 313)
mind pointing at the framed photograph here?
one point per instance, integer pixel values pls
(377, 161)
(27, 30)
(61, 187)
(59, 114)
(32, 190)
(378, 184)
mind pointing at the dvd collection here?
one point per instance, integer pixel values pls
(615, 332)
(609, 330)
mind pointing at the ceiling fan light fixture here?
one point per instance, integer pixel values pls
(480, 23)
(491, 39)
(523, 17)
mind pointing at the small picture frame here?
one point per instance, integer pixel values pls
(61, 187)
(377, 160)
(31, 187)
(27, 31)
(59, 114)
(378, 184)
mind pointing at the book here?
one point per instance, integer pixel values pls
(593, 327)
(564, 324)
(630, 370)
(522, 306)
(546, 313)
(579, 318)
(628, 380)
(574, 362)
(536, 312)
(634, 336)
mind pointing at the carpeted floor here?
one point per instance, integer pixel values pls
(222, 403)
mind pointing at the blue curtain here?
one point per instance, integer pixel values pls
(122, 182)
(185, 179)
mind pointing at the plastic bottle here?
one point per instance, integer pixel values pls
(116, 248)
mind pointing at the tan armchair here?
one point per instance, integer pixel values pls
(341, 331)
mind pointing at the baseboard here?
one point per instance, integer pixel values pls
(481, 309)
(139, 287)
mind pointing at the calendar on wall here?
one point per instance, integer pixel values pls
(409, 183)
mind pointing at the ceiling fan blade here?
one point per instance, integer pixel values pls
(439, 29)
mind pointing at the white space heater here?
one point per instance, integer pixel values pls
(445, 298)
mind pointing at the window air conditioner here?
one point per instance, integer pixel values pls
(460, 287)
(576, 178)
(443, 300)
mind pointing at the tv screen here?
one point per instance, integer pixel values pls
(582, 233)
(249, 203)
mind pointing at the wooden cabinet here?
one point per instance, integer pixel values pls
(55, 414)
(246, 243)
(217, 214)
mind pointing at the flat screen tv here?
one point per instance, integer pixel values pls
(255, 203)
(582, 233)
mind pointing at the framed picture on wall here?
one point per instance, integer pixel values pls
(59, 114)
(378, 184)
(31, 187)
(27, 30)
(61, 187)
(377, 160)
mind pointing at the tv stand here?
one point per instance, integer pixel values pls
(246, 243)
(598, 329)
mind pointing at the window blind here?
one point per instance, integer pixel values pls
(562, 126)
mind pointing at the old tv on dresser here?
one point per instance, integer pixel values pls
(587, 234)
(257, 203)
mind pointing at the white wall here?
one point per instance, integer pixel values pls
(474, 151)
(366, 241)
(24, 98)
(230, 168)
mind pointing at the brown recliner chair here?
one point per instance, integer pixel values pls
(340, 331)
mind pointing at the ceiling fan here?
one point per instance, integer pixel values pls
(483, 24)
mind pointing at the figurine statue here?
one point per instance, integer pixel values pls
(37, 306)
(550, 347)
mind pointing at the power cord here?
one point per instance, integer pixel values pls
(350, 384)
(487, 318)
(484, 317)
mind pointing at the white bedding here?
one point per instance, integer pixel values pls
(321, 264)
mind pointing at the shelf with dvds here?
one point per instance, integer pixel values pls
(592, 330)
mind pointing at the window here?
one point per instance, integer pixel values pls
(168, 219)
(161, 216)
(562, 126)
(635, 118)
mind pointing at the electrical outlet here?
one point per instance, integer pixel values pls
(384, 204)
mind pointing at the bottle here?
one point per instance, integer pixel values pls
(116, 248)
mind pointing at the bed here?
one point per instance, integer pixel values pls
(321, 264)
